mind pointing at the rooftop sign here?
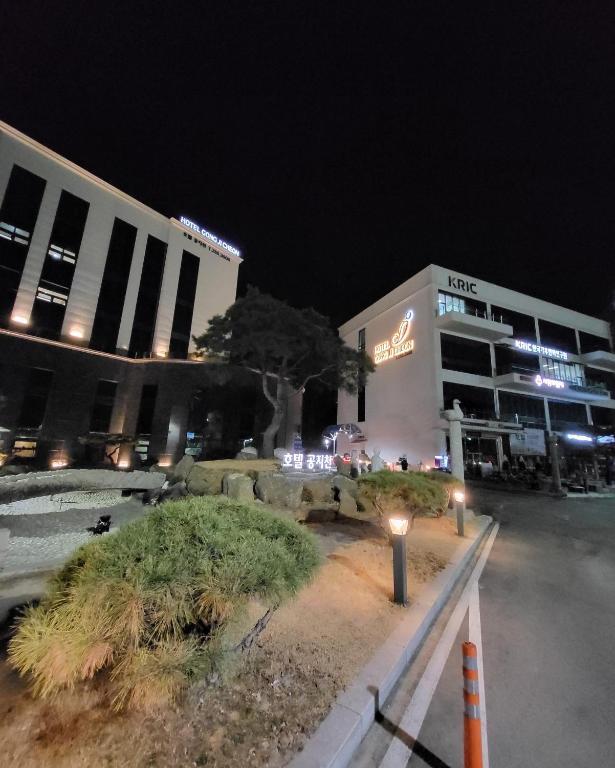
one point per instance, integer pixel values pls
(206, 233)
(399, 345)
(537, 349)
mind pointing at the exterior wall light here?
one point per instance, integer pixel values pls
(164, 461)
(59, 463)
(76, 333)
(20, 319)
(123, 464)
(399, 529)
(460, 502)
(161, 353)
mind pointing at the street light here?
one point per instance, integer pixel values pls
(399, 529)
(460, 499)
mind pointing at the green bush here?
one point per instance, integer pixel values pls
(155, 604)
(409, 493)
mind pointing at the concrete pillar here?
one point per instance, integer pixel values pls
(454, 417)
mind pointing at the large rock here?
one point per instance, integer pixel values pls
(238, 486)
(182, 469)
(343, 483)
(205, 481)
(279, 490)
(318, 489)
(347, 504)
(62, 480)
(247, 454)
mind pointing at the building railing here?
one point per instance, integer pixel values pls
(472, 311)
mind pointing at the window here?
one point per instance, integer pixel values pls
(59, 267)
(146, 409)
(522, 409)
(35, 400)
(565, 415)
(361, 390)
(18, 215)
(508, 360)
(147, 300)
(523, 325)
(558, 336)
(113, 287)
(591, 343)
(184, 306)
(571, 372)
(603, 417)
(466, 355)
(476, 402)
(602, 379)
(102, 409)
(448, 302)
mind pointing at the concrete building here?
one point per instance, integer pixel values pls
(99, 299)
(521, 368)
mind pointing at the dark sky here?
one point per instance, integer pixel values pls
(343, 146)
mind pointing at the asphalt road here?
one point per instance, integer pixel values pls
(547, 611)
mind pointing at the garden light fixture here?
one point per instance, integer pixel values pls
(460, 500)
(399, 529)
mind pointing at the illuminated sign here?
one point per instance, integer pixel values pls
(537, 349)
(399, 345)
(541, 381)
(577, 438)
(311, 462)
(202, 231)
(606, 440)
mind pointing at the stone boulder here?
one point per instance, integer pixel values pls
(238, 486)
(318, 489)
(279, 453)
(343, 483)
(176, 491)
(181, 470)
(205, 481)
(279, 490)
(247, 454)
(347, 504)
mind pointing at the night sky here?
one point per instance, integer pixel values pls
(343, 146)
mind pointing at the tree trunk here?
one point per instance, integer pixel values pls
(270, 433)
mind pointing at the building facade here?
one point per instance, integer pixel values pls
(521, 368)
(99, 299)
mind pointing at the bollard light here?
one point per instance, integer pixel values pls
(460, 499)
(399, 529)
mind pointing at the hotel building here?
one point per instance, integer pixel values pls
(99, 299)
(521, 368)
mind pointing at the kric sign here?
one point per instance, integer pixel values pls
(462, 285)
(399, 345)
(202, 231)
(537, 349)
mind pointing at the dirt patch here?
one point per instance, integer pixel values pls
(312, 648)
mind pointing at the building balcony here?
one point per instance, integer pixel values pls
(536, 383)
(474, 325)
(602, 358)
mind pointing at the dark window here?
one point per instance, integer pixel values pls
(59, 266)
(146, 409)
(522, 409)
(508, 360)
(523, 325)
(449, 302)
(558, 336)
(591, 343)
(361, 390)
(184, 306)
(35, 400)
(147, 300)
(476, 402)
(603, 417)
(102, 409)
(603, 379)
(564, 415)
(467, 355)
(113, 287)
(18, 216)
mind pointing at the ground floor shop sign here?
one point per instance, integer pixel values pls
(529, 442)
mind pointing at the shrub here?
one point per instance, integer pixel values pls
(410, 493)
(155, 604)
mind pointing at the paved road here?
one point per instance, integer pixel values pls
(547, 610)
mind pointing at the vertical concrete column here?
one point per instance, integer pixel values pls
(454, 417)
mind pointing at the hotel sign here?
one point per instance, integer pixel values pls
(399, 345)
(537, 349)
(202, 231)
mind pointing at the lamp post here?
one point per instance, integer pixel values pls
(399, 529)
(460, 499)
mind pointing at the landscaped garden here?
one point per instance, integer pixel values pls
(212, 631)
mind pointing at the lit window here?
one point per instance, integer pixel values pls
(9, 232)
(55, 297)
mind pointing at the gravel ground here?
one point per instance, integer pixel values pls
(42, 505)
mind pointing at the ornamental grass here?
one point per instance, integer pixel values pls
(156, 605)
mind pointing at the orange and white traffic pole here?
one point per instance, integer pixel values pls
(472, 744)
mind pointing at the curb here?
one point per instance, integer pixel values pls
(336, 739)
